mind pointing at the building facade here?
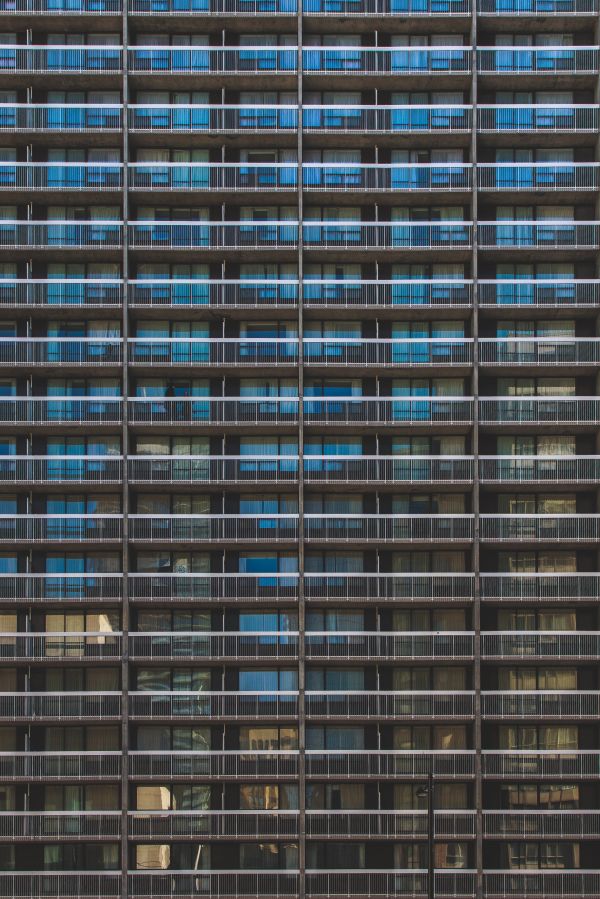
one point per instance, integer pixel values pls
(299, 454)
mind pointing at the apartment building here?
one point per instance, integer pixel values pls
(299, 448)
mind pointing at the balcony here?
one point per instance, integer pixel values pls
(225, 706)
(330, 645)
(172, 825)
(212, 235)
(415, 178)
(538, 118)
(389, 469)
(51, 176)
(60, 706)
(537, 7)
(563, 704)
(418, 588)
(67, 351)
(38, 293)
(26, 588)
(34, 826)
(37, 470)
(543, 294)
(447, 235)
(257, 884)
(211, 469)
(349, 351)
(378, 8)
(252, 8)
(407, 412)
(526, 884)
(59, 118)
(212, 60)
(549, 176)
(577, 60)
(227, 765)
(205, 351)
(539, 469)
(63, 235)
(61, 7)
(209, 411)
(61, 885)
(540, 763)
(230, 645)
(527, 410)
(411, 883)
(213, 176)
(536, 528)
(366, 61)
(539, 235)
(417, 294)
(17, 767)
(213, 587)
(387, 824)
(533, 587)
(353, 763)
(390, 705)
(33, 411)
(540, 644)
(388, 528)
(211, 528)
(60, 60)
(576, 824)
(189, 119)
(250, 294)
(47, 647)
(410, 120)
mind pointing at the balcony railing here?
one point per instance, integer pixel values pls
(256, 884)
(213, 176)
(381, 704)
(72, 60)
(526, 884)
(538, 118)
(60, 706)
(564, 704)
(537, 60)
(205, 411)
(553, 586)
(223, 765)
(91, 645)
(539, 469)
(388, 824)
(388, 528)
(212, 351)
(61, 885)
(389, 469)
(407, 351)
(539, 293)
(570, 528)
(62, 7)
(60, 351)
(208, 528)
(407, 293)
(32, 825)
(211, 469)
(540, 763)
(389, 587)
(549, 176)
(387, 60)
(59, 117)
(231, 645)
(412, 883)
(339, 645)
(446, 235)
(53, 528)
(354, 763)
(64, 469)
(72, 292)
(546, 235)
(243, 294)
(212, 235)
(387, 119)
(539, 410)
(537, 7)
(406, 411)
(202, 7)
(229, 706)
(49, 176)
(212, 60)
(542, 644)
(59, 411)
(414, 177)
(48, 235)
(209, 587)
(387, 7)
(61, 587)
(59, 766)
(557, 824)
(238, 824)
(215, 119)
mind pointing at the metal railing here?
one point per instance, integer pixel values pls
(59, 766)
(545, 644)
(60, 410)
(72, 60)
(212, 587)
(405, 411)
(214, 119)
(91, 645)
(564, 704)
(388, 528)
(387, 119)
(243, 294)
(390, 705)
(553, 528)
(34, 825)
(207, 410)
(377, 645)
(232, 645)
(539, 469)
(382, 824)
(50, 176)
(256, 884)
(60, 351)
(355, 763)
(208, 528)
(557, 60)
(212, 235)
(411, 883)
(542, 235)
(228, 765)
(545, 294)
(238, 351)
(231, 706)
(555, 823)
(538, 176)
(80, 117)
(56, 293)
(211, 469)
(387, 60)
(525, 884)
(537, 7)
(539, 410)
(380, 177)
(389, 469)
(540, 763)
(61, 587)
(232, 7)
(60, 706)
(213, 176)
(199, 60)
(47, 235)
(447, 235)
(62, 7)
(387, 7)
(69, 469)
(231, 824)
(440, 294)
(389, 587)
(533, 586)
(538, 118)
(405, 351)
(61, 885)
